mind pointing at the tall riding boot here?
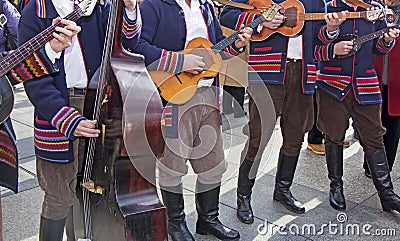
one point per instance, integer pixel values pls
(51, 230)
(366, 168)
(245, 184)
(334, 161)
(173, 200)
(207, 210)
(380, 174)
(283, 181)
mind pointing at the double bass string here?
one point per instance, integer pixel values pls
(96, 115)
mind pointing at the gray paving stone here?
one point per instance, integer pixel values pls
(21, 215)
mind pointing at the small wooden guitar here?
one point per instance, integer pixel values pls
(180, 88)
(359, 40)
(295, 15)
(84, 8)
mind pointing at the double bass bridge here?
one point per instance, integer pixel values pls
(91, 187)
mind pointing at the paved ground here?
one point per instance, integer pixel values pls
(363, 219)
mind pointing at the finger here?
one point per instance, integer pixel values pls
(56, 20)
(67, 22)
(60, 37)
(74, 29)
(64, 31)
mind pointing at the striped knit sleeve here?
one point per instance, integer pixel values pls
(36, 65)
(325, 37)
(130, 28)
(383, 47)
(231, 51)
(170, 61)
(324, 52)
(245, 18)
(66, 121)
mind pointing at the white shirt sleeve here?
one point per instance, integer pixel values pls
(51, 53)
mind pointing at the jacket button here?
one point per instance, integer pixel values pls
(342, 93)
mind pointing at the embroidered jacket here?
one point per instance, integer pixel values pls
(164, 34)
(55, 121)
(267, 59)
(355, 73)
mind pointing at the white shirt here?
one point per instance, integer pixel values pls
(195, 27)
(74, 64)
(295, 47)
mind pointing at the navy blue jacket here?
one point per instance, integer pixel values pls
(339, 76)
(55, 121)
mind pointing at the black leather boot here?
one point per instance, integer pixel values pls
(51, 230)
(283, 181)
(245, 184)
(207, 210)
(367, 173)
(380, 175)
(334, 161)
(173, 200)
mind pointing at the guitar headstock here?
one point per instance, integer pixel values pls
(270, 13)
(86, 6)
(390, 16)
(374, 14)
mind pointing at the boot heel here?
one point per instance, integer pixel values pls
(201, 231)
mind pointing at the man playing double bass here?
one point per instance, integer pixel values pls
(59, 100)
(22, 72)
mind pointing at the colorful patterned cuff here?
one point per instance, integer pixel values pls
(384, 47)
(36, 65)
(66, 121)
(325, 37)
(324, 53)
(171, 62)
(231, 51)
(131, 27)
(245, 18)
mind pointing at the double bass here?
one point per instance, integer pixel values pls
(117, 195)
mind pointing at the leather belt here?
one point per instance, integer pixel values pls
(293, 60)
(76, 91)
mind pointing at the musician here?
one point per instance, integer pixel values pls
(22, 72)
(59, 98)
(168, 26)
(349, 87)
(285, 65)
